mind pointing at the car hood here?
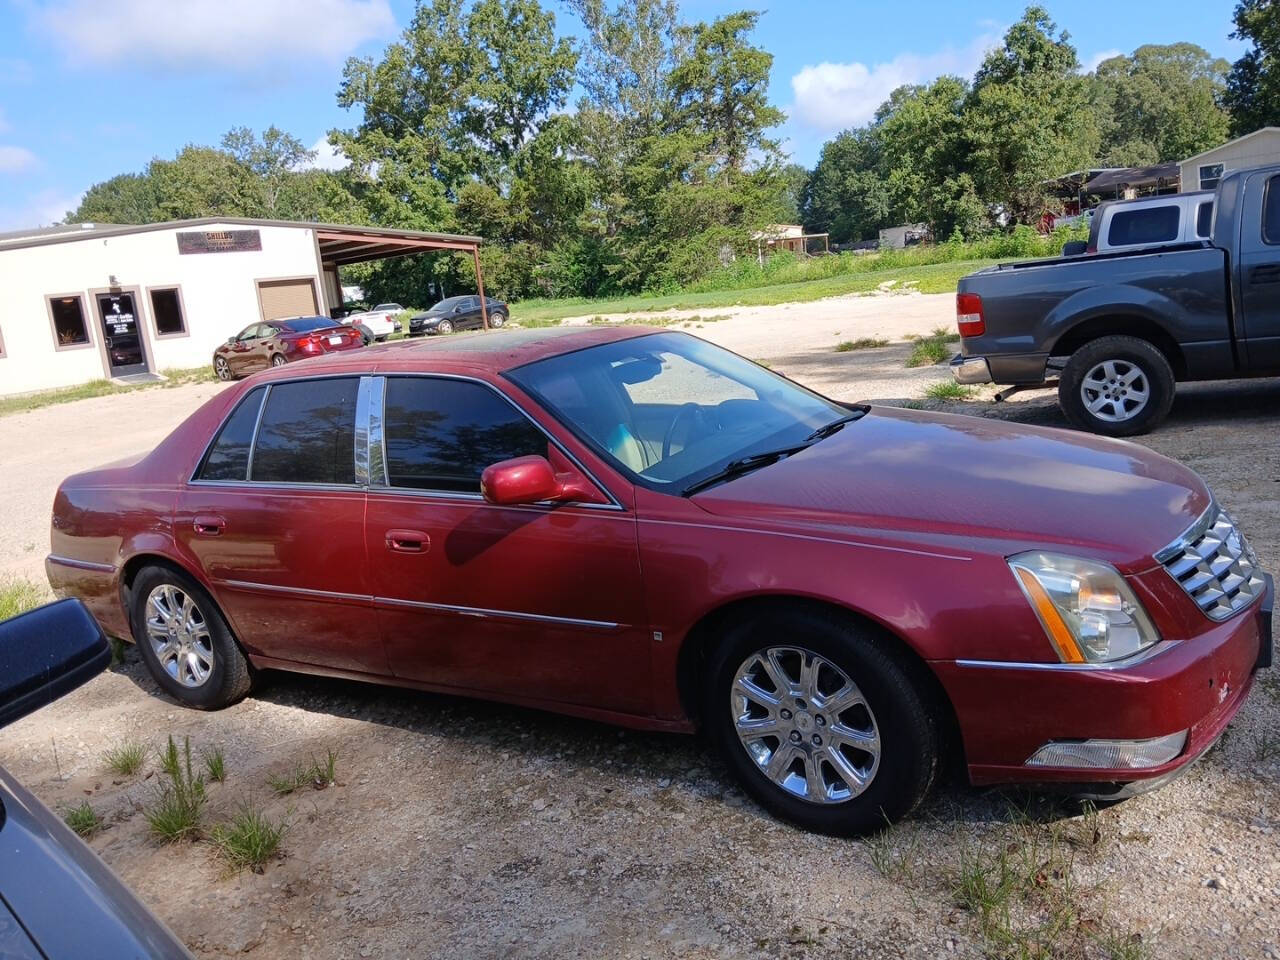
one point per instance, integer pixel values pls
(938, 474)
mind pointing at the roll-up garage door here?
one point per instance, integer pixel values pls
(287, 298)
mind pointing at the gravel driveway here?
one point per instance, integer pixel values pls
(463, 829)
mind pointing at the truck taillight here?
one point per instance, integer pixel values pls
(969, 315)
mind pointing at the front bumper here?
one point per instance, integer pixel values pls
(1009, 711)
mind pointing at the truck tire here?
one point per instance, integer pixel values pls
(1117, 386)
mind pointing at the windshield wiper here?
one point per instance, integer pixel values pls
(827, 430)
(736, 468)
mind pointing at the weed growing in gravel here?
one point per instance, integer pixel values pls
(893, 856)
(948, 390)
(935, 348)
(18, 596)
(862, 343)
(215, 765)
(83, 820)
(249, 840)
(315, 774)
(178, 808)
(126, 758)
(1265, 746)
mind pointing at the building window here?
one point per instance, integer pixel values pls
(166, 308)
(1210, 174)
(70, 326)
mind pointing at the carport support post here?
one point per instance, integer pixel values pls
(484, 304)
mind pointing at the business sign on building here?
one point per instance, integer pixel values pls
(219, 241)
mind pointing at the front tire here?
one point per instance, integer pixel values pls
(185, 641)
(222, 369)
(1117, 386)
(444, 326)
(823, 721)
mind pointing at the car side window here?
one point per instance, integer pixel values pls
(441, 434)
(1149, 225)
(1204, 219)
(307, 434)
(1271, 211)
(228, 456)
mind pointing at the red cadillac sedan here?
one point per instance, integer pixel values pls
(639, 527)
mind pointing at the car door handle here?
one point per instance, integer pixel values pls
(408, 541)
(208, 526)
(1268, 274)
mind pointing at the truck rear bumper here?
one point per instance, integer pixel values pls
(970, 369)
(1026, 369)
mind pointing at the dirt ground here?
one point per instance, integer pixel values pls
(463, 829)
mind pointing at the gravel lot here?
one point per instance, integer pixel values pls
(463, 829)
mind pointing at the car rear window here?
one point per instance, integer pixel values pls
(1148, 225)
(441, 434)
(308, 433)
(307, 324)
(228, 457)
(1204, 219)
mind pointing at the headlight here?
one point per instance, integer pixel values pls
(1085, 607)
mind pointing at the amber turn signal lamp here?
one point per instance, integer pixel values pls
(1063, 641)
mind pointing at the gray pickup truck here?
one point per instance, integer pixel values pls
(1118, 330)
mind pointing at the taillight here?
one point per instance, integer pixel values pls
(310, 344)
(969, 315)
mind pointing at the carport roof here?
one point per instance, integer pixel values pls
(339, 243)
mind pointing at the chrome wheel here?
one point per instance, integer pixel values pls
(278, 360)
(805, 725)
(497, 319)
(221, 369)
(444, 326)
(1115, 390)
(179, 635)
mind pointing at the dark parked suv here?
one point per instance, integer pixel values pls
(458, 313)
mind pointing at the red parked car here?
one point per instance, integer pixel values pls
(274, 343)
(639, 527)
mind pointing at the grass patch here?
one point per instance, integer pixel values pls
(125, 758)
(948, 390)
(862, 343)
(101, 388)
(249, 840)
(83, 820)
(315, 774)
(19, 596)
(894, 856)
(933, 349)
(928, 278)
(215, 765)
(179, 807)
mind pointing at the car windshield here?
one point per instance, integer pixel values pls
(671, 410)
(307, 324)
(444, 305)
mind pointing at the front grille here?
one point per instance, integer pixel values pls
(1213, 562)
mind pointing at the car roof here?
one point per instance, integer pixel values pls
(492, 351)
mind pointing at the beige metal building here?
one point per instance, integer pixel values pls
(1257, 149)
(90, 301)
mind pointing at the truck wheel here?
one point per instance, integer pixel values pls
(1117, 386)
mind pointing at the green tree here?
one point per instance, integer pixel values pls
(1252, 95)
(126, 198)
(203, 182)
(1028, 118)
(847, 195)
(274, 161)
(1160, 104)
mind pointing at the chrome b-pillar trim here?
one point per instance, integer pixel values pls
(377, 438)
(362, 432)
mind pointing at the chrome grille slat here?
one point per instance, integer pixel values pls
(1212, 562)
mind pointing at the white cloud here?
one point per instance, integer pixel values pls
(16, 159)
(253, 35)
(40, 209)
(1091, 64)
(834, 96)
(328, 157)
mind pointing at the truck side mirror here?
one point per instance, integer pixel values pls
(45, 654)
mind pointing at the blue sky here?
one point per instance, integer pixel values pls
(92, 88)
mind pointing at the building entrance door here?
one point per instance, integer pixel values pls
(122, 334)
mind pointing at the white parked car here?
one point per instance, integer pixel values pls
(380, 321)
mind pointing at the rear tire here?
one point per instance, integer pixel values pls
(176, 657)
(863, 732)
(279, 360)
(1117, 386)
(497, 319)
